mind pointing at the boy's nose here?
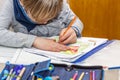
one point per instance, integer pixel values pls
(45, 22)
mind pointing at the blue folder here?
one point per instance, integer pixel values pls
(93, 51)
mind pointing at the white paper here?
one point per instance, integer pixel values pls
(86, 44)
(28, 58)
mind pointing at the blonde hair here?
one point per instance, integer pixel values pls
(43, 9)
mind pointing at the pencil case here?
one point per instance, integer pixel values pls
(67, 72)
(27, 74)
(46, 69)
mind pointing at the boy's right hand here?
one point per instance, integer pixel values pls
(49, 45)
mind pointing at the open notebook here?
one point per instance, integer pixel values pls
(78, 49)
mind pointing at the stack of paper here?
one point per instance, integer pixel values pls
(78, 49)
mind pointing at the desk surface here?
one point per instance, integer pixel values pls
(9, 54)
(18, 56)
(108, 56)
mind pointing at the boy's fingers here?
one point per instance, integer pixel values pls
(65, 41)
(70, 39)
(64, 37)
(62, 48)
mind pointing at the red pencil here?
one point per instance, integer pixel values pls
(91, 75)
(75, 75)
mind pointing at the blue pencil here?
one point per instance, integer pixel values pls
(116, 67)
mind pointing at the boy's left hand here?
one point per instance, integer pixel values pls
(69, 37)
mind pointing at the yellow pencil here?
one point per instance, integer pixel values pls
(21, 73)
(81, 76)
(70, 25)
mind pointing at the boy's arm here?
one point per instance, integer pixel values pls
(77, 25)
(7, 37)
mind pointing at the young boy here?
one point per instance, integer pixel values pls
(32, 20)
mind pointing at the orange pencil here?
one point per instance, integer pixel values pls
(70, 25)
(91, 75)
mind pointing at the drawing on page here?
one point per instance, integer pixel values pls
(77, 47)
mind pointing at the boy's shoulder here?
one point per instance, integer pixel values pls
(10, 2)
